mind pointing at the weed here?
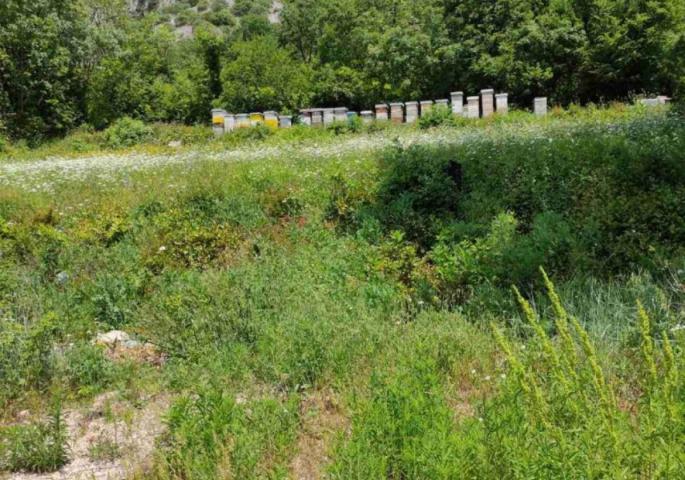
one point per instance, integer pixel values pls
(36, 447)
(104, 450)
(561, 389)
(211, 436)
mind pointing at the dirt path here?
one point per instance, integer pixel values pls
(322, 420)
(108, 422)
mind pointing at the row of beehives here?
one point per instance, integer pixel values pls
(483, 105)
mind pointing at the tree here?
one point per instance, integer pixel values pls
(631, 47)
(42, 52)
(300, 24)
(263, 76)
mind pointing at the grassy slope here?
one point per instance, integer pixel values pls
(293, 346)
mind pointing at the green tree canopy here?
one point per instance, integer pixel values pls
(42, 54)
(261, 75)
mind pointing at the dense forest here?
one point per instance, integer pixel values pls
(66, 63)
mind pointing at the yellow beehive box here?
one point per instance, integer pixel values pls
(218, 116)
(271, 119)
(256, 119)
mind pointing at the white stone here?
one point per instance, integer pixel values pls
(112, 338)
(62, 278)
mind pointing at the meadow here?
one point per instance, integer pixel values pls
(497, 299)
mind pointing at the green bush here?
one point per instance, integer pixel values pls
(616, 187)
(502, 256)
(438, 116)
(347, 201)
(420, 187)
(353, 125)
(127, 132)
(27, 356)
(87, 369)
(257, 133)
(114, 298)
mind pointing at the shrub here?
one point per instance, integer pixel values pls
(87, 369)
(38, 447)
(282, 203)
(503, 256)
(379, 126)
(420, 187)
(346, 202)
(353, 125)
(191, 246)
(436, 117)
(257, 133)
(27, 356)
(615, 187)
(127, 132)
(114, 297)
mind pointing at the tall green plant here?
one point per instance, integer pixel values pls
(572, 415)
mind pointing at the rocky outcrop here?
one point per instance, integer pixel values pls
(141, 7)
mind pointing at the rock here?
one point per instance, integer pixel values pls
(113, 338)
(131, 344)
(62, 278)
(24, 416)
(175, 144)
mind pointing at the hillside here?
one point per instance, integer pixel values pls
(181, 10)
(337, 303)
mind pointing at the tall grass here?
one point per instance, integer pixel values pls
(566, 414)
